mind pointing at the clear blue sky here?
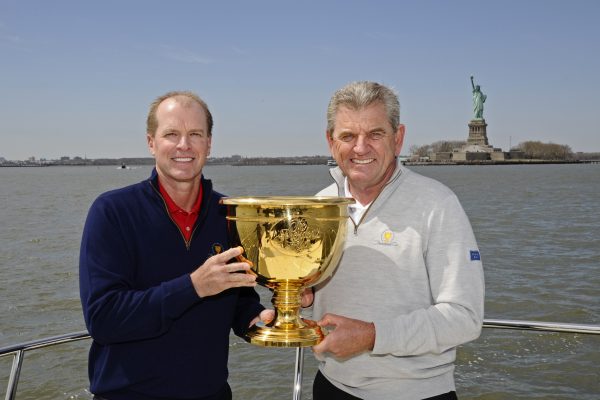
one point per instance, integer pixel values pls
(76, 77)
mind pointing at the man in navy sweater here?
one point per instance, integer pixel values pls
(160, 287)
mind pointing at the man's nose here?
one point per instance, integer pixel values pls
(360, 143)
(184, 142)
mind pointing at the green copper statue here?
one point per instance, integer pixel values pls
(478, 100)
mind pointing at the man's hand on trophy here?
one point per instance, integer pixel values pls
(265, 317)
(216, 275)
(308, 296)
(348, 337)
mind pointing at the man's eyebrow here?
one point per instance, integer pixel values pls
(382, 129)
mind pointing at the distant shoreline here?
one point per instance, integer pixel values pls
(287, 161)
(499, 162)
(234, 160)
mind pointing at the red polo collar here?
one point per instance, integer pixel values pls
(184, 220)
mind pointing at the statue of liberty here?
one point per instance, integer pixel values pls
(478, 100)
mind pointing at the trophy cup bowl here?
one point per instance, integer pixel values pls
(291, 243)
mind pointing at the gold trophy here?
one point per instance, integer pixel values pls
(291, 243)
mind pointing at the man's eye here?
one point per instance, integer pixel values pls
(198, 134)
(346, 138)
(376, 135)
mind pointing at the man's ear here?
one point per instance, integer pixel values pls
(328, 136)
(399, 139)
(150, 140)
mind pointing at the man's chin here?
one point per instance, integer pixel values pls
(358, 176)
(184, 175)
(360, 169)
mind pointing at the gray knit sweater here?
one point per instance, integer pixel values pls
(411, 266)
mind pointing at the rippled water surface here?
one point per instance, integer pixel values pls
(539, 233)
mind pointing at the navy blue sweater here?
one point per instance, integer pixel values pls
(153, 336)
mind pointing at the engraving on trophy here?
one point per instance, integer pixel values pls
(294, 235)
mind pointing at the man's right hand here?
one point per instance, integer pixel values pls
(215, 275)
(348, 337)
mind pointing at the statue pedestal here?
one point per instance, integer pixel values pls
(477, 147)
(477, 133)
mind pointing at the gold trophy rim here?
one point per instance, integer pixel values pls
(282, 201)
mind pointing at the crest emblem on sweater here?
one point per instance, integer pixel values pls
(387, 237)
(216, 249)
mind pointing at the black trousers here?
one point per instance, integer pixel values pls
(225, 394)
(325, 390)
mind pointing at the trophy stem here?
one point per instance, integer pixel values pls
(288, 329)
(287, 301)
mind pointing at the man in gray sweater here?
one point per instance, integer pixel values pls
(409, 287)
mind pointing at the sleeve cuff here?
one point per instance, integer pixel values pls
(179, 296)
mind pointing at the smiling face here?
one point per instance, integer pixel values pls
(181, 143)
(365, 145)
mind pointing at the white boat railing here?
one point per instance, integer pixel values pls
(542, 326)
(18, 351)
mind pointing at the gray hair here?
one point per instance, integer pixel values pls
(358, 95)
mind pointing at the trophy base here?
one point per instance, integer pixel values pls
(302, 336)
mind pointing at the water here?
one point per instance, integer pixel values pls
(539, 233)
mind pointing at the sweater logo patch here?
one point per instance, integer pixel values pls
(475, 256)
(387, 237)
(216, 249)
